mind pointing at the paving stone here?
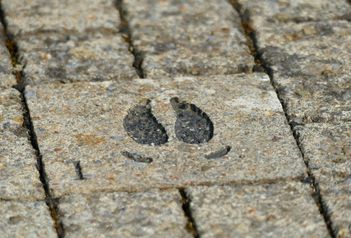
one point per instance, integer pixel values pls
(283, 11)
(84, 121)
(147, 214)
(19, 178)
(274, 210)
(25, 219)
(64, 57)
(328, 149)
(188, 37)
(311, 69)
(6, 78)
(57, 15)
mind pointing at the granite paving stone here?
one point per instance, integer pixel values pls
(283, 11)
(272, 210)
(25, 219)
(328, 149)
(69, 40)
(84, 122)
(310, 67)
(6, 78)
(147, 214)
(64, 57)
(19, 178)
(82, 16)
(188, 37)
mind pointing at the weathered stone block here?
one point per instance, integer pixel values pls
(147, 214)
(84, 121)
(272, 210)
(19, 178)
(188, 38)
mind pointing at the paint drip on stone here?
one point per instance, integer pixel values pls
(192, 126)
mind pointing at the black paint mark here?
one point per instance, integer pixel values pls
(136, 157)
(78, 169)
(192, 126)
(143, 127)
(219, 153)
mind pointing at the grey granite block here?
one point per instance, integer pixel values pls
(85, 57)
(84, 122)
(6, 78)
(27, 17)
(283, 11)
(188, 37)
(19, 178)
(328, 150)
(25, 219)
(272, 210)
(147, 214)
(310, 64)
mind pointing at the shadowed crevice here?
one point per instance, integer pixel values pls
(191, 226)
(127, 35)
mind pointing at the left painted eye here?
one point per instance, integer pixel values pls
(192, 126)
(142, 126)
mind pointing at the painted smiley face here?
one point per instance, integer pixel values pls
(192, 126)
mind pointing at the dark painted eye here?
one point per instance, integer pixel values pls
(192, 126)
(143, 127)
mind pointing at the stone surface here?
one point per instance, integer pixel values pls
(310, 63)
(64, 57)
(6, 78)
(328, 149)
(25, 219)
(56, 15)
(19, 178)
(84, 121)
(188, 37)
(276, 210)
(283, 11)
(148, 214)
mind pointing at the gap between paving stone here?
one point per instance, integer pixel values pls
(278, 180)
(127, 36)
(50, 202)
(261, 64)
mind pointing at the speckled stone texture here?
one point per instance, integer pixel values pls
(310, 64)
(283, 11)
(86, 57)
(6, 78)
(32, 16)
(69, 40)
(147, 214)
(19, 178)
(84, 121)
(188, 37)
(328, 149)
(276, 210)
(25, 219)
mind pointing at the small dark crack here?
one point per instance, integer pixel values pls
(137, 157)
(191, 226)
(219, 153)
(127, 35)
(28, 124)
(78, 169)
(260, 62)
